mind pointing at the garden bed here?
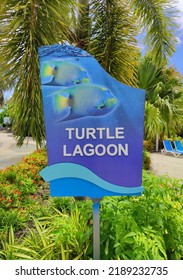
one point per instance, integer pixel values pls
(35, 226)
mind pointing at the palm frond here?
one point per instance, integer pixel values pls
(157, 19)
(113, 38)
(27, 25)
(148, 74)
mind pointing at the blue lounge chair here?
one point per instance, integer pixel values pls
(178, 145)
(168, 149)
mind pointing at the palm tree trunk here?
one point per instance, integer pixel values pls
(157, 142)
(83, 26)
(1, 97)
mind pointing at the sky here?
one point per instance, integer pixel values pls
(177, 58)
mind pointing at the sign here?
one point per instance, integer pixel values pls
(94, 126)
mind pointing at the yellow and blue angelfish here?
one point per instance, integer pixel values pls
(83, 101)
(63, 74)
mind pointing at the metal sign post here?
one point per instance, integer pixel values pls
(96, 228)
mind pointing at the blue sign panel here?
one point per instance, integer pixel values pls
(94, 126)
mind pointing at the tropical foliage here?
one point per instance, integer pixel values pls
(164, 93)
(157, 18)
(35, 226)
(107, 29)
(113, 37)
(3, 114)
(26, 25)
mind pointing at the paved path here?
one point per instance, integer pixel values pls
(9, 152)
(167, 165)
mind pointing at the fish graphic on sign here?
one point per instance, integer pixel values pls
(94, 126)
(83, 101)
(63, 74)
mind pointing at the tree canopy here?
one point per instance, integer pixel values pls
(107, 29)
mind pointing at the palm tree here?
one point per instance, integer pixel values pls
(157, 20)
(1, 97)
(164, 92)
(26, 25)
(82, 25)
(106, 28)
(112, 27)
(170, 89)
(113, 38)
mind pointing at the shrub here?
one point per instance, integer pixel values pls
(3, 114)
(34, 226)
(61, 236)
(148, 145)
(146, 160)
(145, 227)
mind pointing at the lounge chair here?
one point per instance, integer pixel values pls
(168, 149)
(178, 145)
